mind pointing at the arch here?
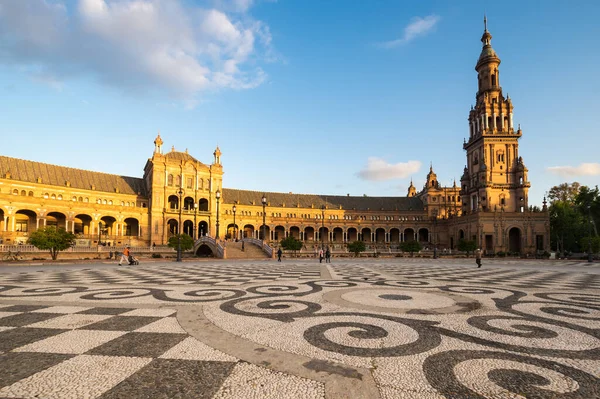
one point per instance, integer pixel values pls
(203, 205)
(202, 228)
(231, 230)
(56, 219)
(188, 228)
(395, 235)
(131, 227)
(2, 226)
(188, 204)
(514, 240)
(173, 202)
(295, 232)
(25, 220)
(323, 234)
(108, 225)
(380, 235)
(279, 233)
(338, 234)
(352, 234)
(204, 251)
(423, 234)
(309, 233)
(173, 226)
(409, 234)
(461, 234)
(264, 232)
(31, 194)
(23, 193)
(248, 231)
(82, 224)
(365, 235)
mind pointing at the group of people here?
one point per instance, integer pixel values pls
(322, 255)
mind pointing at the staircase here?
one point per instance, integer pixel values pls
(251, 251)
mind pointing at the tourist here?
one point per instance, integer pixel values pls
(124, 256)
(279, 253)
(478, 257)
(321, 255)
(328, 255)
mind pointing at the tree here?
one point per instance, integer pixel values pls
(187, 242)
(564, 192)
(52, 239)
(292, 244)
(410, 246)
(356, 247)
(467, 246)
(595, 244)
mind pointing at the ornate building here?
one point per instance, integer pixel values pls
(180, 193)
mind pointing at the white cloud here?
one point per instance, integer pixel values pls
(137, 45)
(417, 27)
(377, 169)
(584, 169)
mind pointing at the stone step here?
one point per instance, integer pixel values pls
(251, 251)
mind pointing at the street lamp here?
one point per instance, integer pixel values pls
(99, 232)
(590, 256)
(180, 193)
(264, 204)
(234, 225)
(322, 225)
(434, 239)
(218, 196)
(195, 215)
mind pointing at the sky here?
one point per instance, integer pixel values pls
(304, 96)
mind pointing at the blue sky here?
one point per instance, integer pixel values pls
(329, 97)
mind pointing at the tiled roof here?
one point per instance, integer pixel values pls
(246, 197)
(55, 175)
(180, 156)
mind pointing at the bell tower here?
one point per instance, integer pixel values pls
(495, 176)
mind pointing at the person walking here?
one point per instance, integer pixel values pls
(478, 257)
(124, 256)
(279, 253)
(321, 255)
(328, 255)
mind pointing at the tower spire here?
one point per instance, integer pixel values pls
(484, 22)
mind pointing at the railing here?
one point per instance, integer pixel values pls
(220, 250)
(261, 244)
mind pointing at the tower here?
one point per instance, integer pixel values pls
(495, 175)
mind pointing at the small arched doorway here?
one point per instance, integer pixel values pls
(202, 229)
(514, 240)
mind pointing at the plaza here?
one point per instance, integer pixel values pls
(355, 328)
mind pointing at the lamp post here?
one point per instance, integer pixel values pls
(99, 232)
(264, 204)
(590, 256)
(217, 196)
(434, 233)
(195, 215)
(233, 209)
(180, 194)
(322, 226)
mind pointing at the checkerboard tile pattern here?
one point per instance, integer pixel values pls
(516, 278)
(204, 275)
(84, 352)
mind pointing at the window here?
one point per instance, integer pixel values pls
(23, 193)
(15, 192)
(60, 197)
(170, 180)
(178, 180)
(21, 225)
(31, 193)
(74, 198)
(190, 182)
(493, 79)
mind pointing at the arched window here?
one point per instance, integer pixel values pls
(493, 79)
(178, 181)
(86, 199)
(15, 192)
(74, 198)
(170, 180)
(110, 202)
(31, 193)
(60, 197)
(80, 199)
(23, 193)
(53, 196)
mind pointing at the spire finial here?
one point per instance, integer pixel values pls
(484, 22)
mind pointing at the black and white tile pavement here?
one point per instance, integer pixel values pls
(419, 331)
(123, 352)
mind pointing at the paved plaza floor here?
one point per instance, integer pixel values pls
(396, 328)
